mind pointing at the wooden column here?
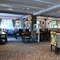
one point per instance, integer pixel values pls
(33, 32)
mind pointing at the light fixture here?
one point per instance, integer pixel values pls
(25, 8)
(10, 8)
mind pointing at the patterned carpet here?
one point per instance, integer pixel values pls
(22, 51)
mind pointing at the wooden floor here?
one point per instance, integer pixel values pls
(31, 51)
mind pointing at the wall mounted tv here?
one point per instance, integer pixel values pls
(54, 22)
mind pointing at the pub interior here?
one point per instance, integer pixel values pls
(43, 30)
(29, 29)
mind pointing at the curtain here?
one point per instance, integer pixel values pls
(13, 22)
(0, 21)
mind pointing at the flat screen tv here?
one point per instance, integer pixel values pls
(54, 22)
(34, 26)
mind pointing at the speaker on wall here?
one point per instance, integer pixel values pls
(42, 22)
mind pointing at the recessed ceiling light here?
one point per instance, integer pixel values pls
(25, 8)
(10, 8)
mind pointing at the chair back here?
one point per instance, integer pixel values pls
(53, 38)
(33, 34)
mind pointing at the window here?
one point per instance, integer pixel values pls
(7, 24)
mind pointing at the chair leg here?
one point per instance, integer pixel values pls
(51, 47)
(56, 50)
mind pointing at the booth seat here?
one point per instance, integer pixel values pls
(10, 32)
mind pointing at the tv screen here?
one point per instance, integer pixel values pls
(54, 22)
(34, 26)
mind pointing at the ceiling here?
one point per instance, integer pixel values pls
(28, 7)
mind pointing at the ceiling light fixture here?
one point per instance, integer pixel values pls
(10, 8)
(25, 8)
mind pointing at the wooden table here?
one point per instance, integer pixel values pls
(25, 35)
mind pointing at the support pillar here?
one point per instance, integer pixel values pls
(45, 23)
(33, 32)
(33, 21)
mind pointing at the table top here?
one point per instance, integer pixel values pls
(2, 33)
(27, 33)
